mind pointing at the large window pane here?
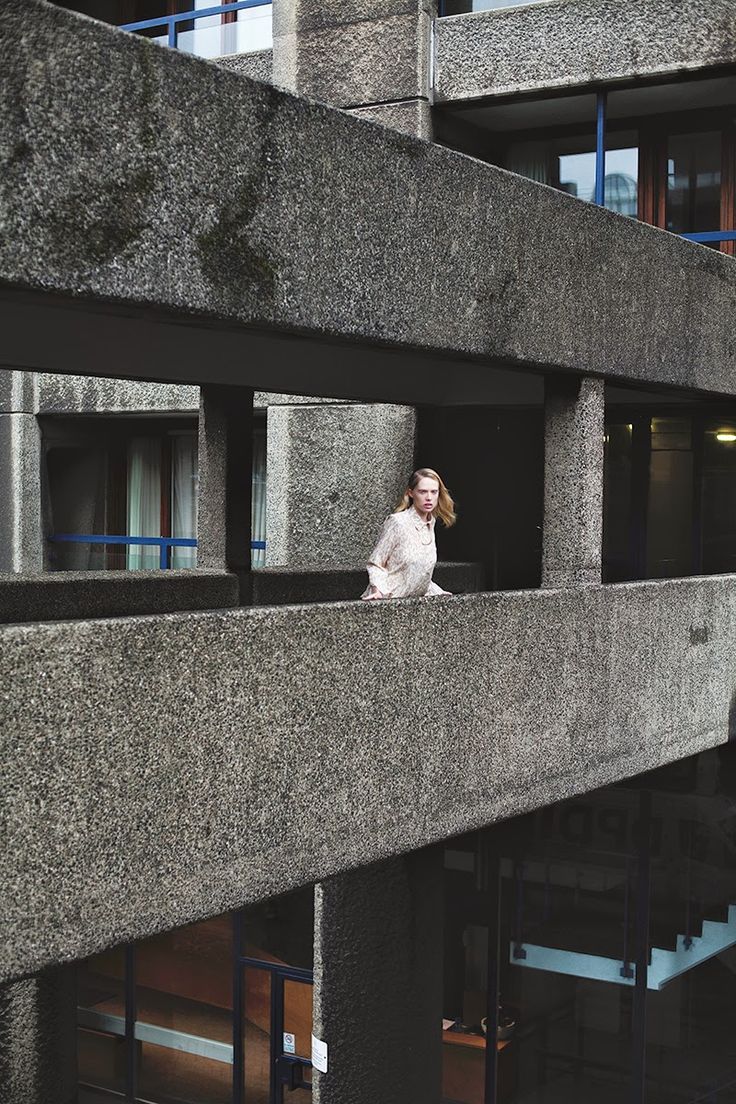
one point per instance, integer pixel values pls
(691, 996)
(569, 164)
(719, 497)
(670, 508)
(281, 929)
(184, 1014)
(101, 1046)
(694, 182)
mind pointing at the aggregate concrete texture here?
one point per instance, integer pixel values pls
(21, 533)
(574, 43)
(334, 475)
(352, 57)
(63, 595)
(273, 586)
(159, 770)
(409, 117)
(172, 228)
(62, 394)
(38, 1042)
(376, 1004)
(18, 392)
(572, 544)
(257, 64)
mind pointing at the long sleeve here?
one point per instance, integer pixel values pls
(433, 588)
(379, 557)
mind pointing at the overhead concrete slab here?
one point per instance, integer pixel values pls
(571, 44)
(158, 770)
(210, 228)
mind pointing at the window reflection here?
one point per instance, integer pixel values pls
(637, 876)
(569, 164)
(694, 182)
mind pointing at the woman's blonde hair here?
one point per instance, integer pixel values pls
(445, 508)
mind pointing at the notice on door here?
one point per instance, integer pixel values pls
(319, 1054)
(289, 1043)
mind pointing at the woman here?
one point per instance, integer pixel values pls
(401, 564)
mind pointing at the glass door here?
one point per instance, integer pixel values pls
(276, 1033)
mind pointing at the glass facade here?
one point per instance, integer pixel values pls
(596, 939)
(219, 1012)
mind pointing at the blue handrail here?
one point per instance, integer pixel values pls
(711, 236)
(171, 21)
(164, 544)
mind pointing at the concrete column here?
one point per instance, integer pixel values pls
(369, 56)
(573, 481)
(21, 515)
(225, 474)
(378, 982)
(38, 1039)
(334, 474)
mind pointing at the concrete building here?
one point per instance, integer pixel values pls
(261, 840)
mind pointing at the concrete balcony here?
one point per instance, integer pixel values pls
(161, 769)
(574, 44)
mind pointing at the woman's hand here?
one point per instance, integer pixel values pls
(372, 594)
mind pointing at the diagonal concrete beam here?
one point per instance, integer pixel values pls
(157, 186)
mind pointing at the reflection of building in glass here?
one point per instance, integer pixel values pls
(621, 194)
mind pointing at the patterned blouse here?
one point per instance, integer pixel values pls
(401, 564)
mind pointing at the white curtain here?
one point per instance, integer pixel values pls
(144, 500)
(184, 496)
(530, 159)
(258, 500)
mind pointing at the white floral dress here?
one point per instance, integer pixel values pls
(401, 564)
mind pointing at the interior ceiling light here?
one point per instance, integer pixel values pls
(725, 436)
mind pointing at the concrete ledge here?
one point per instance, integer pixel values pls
(574, 43)
(257, 64)
(276, 586)
(165, 241)
(65, 595)
(158, 770)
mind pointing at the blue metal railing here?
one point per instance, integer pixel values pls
(171, 22)
(164, 544)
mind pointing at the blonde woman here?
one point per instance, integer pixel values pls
(401, 564)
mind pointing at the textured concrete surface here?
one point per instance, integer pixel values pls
(21, 534)
(38, 1039)
(568, 43)
(377, 999)
(62, 595)
(158, 770)
(395, 244)
(410, 117)
(273, 586)
(225, 474)
(369, 51)
(60, 394)
(572, 545)
(334, 474)
(18, 392)
(257, 64)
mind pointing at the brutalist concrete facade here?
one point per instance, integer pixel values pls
(286, 746)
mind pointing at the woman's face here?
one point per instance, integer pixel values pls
(425, 495)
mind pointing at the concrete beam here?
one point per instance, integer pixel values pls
(158, 770)
(61, 595)
(165, 242)
(579, 43)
